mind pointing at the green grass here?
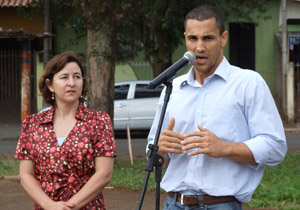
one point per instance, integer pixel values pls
(8, 166)
(279, 188)
(131, 177)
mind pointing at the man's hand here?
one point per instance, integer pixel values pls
(206, 142)
(169, 141)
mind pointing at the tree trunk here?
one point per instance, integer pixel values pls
(159, 67)
(101, 75)
(160, 61)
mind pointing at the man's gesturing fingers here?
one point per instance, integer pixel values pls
(171, 124)
(205, 141)
(201, 133)
(169, 141)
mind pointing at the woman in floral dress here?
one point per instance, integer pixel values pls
(67, 152)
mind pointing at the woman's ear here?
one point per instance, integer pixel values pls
(49, 84)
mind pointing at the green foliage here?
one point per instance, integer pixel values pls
(154, 26)
(159, 24)
(127, 44)
(100, 16)
(131, 177)
(31, 10)
(70, 14)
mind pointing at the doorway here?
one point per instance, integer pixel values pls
(10, 81)
(242, 45)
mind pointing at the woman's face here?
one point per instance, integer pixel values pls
(67, 84)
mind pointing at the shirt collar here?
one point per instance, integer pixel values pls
(79, 115)
(222, 71)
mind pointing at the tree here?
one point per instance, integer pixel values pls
(159, 24)
(103, 20)
(114, 25)
(100, 20)
(101, 36)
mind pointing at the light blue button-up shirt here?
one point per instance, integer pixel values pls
(237, 106)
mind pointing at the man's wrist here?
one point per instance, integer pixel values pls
(228, 149)
(160, 153)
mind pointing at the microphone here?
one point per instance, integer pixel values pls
(188, 58)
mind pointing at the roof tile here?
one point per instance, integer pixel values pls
(14, 3)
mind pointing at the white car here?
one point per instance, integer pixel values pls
(135, 103)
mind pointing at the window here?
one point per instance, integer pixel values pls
(294, 52)
(144, 91)
(121, 92)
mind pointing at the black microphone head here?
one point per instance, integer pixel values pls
(169, 74)
(190, 56)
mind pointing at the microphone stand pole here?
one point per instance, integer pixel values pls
(153, 158)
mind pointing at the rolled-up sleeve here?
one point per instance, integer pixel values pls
(268, 141)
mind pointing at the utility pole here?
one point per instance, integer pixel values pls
(284, 56)
(46, 45)
(25, 79)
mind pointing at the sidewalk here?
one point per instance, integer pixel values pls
(10, 131)
(293, 129)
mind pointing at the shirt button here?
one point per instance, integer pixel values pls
(198, 110)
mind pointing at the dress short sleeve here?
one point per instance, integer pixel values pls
(24, 146)
(104, 144)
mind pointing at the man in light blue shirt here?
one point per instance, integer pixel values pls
(221, 126)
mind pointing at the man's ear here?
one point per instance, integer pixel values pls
(49, 84)
(224, 38)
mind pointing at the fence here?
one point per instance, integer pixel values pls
(10, 85)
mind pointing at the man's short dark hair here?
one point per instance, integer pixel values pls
(205, 12)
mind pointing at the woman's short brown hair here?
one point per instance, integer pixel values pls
(56, 64)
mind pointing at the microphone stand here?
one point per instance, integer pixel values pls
(153, 158)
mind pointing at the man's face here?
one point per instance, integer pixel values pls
(203, 38)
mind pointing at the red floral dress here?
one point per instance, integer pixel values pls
(63, 170)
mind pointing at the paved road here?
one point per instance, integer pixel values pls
(293, 142)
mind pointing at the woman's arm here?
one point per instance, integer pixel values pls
(102, 176)
(33, 189)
